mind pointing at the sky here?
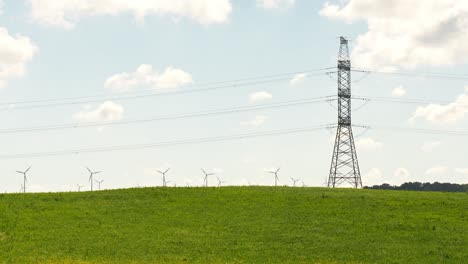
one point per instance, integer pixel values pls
(72, 63)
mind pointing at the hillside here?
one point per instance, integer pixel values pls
(234, 225)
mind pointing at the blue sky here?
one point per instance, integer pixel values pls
(60, 49)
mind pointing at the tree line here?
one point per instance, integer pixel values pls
(418, 186)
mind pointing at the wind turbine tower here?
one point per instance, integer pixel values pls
(25, 178)
(220, 182)
(91, 175)
(276, 175)
(294, 181)
(205, 180)
(99, 184)
(163, 173)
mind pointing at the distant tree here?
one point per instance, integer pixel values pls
(418, 186)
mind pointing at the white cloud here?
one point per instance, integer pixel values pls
(406, 33)
(66, 13)
(106, 112)
(368, 144)
(260, 97)
(248, 160)
(15, 52)
(401, 174)
(257, 121)
(398, 91)
(298, 79)
(430, 146)
(462, 171)
(272, 4)
(373, 176)
(443, 113)
(218, 171)
(437, 171)
(146, 76)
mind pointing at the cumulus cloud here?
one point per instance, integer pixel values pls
(217, 171)
(437, 171)
(399, 91)
(462, 171)
(15, 52)
(298, 79)
(106, 112)
(373, 176)
(272, 4)
(405, 33)
(146, 76)
(368, 144)
(257, 121)
(443, 113)
(66, 13)
(430, 146)
(401, 174)
(258, 97)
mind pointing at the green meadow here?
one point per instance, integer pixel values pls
(234, 225)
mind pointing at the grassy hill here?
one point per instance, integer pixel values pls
(234, 225)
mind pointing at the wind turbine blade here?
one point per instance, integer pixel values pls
(20, 172)
(90, 171)
(28, 169)
(97, 172)
(203, 171)
(278, 170)
(167, 170)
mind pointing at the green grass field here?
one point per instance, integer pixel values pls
(234, 225)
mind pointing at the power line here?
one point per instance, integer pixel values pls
(414, 74)
(417, 130)
(172, 117)
(224, 138)
(150, 93)
(167, 143)
(405, 101)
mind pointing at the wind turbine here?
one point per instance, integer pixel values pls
(91, 175)
(79, 187)
(294, 181)
(205, 180)
(99, 184)
(276, 175)
(25, 179)
(220, 182)
(303, 184)
(163, 173)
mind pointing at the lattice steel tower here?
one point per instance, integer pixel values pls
(344, 165)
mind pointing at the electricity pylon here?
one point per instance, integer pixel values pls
(344, 165)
